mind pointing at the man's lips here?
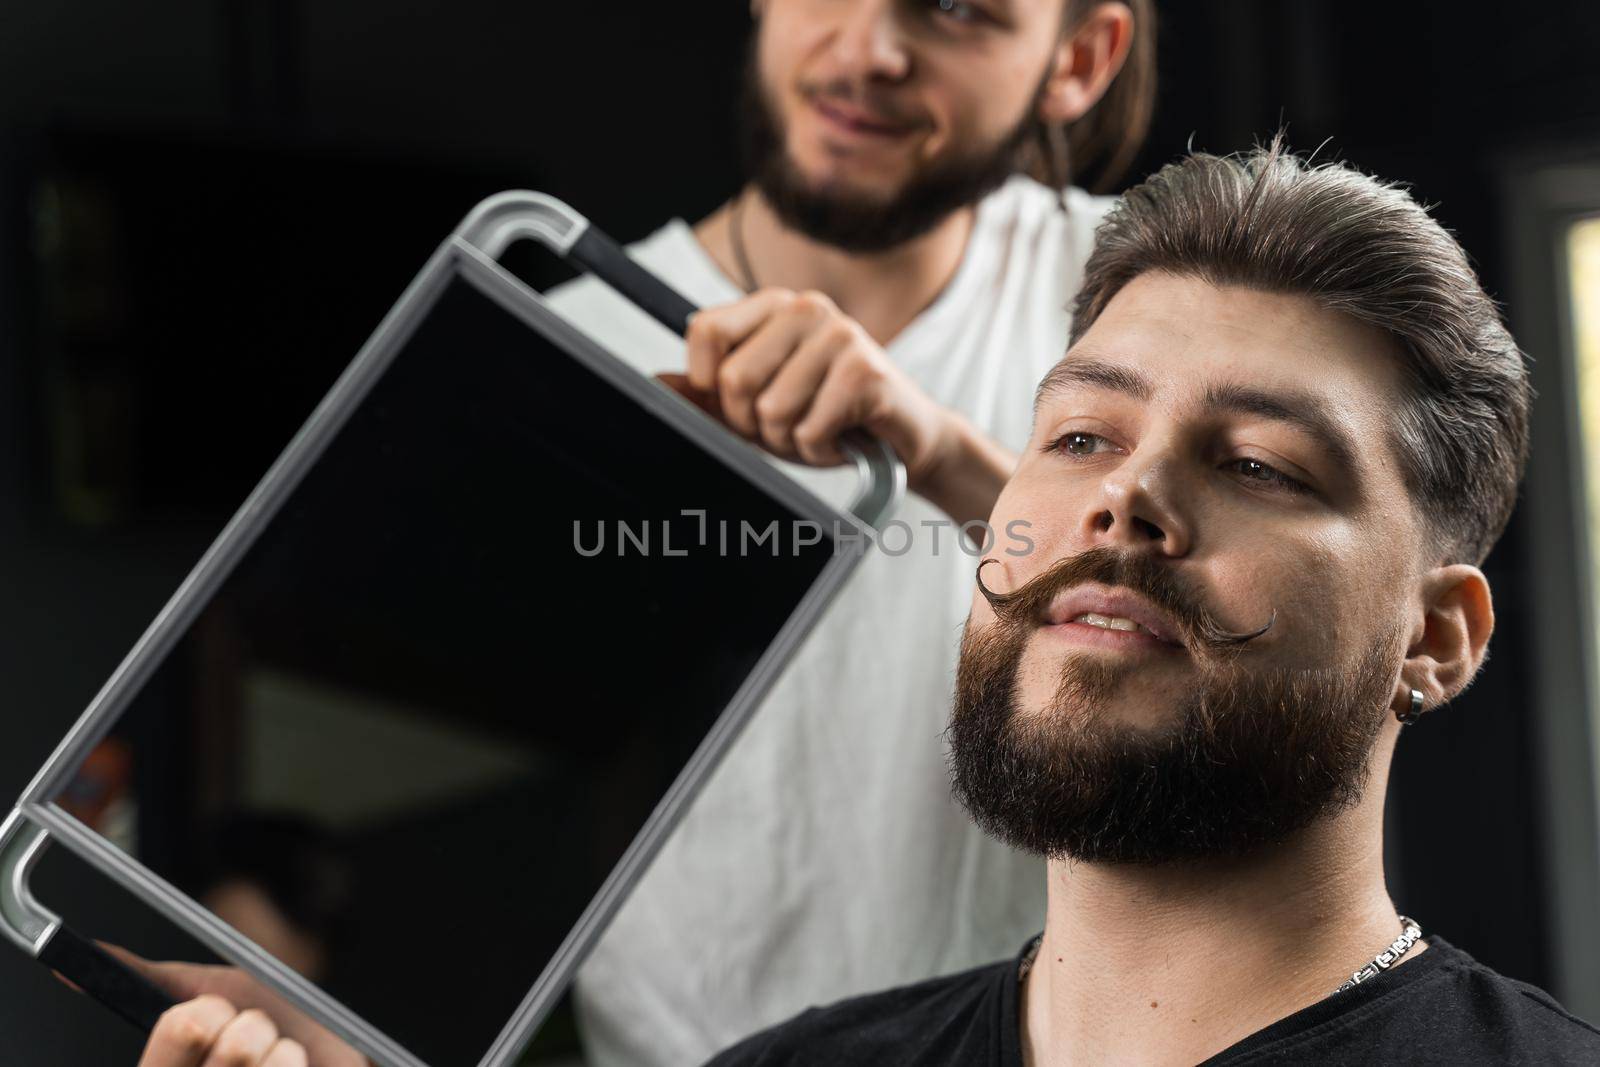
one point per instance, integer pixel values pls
(858, 121)
(1120, 615)
(1084, 635)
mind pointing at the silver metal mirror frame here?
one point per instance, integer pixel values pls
(520, 213)
(37, 819)
(23, 919)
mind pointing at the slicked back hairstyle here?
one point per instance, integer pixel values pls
(1268, 220)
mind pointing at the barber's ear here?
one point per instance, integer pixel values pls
(1458, 617)
(1086, 60)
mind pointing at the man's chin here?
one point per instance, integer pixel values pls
(1079, 684)
(1138, 714)
(847, 183)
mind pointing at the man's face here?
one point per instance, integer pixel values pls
(907, 109)
(1204, 461)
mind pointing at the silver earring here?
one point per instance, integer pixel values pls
(1413, 713)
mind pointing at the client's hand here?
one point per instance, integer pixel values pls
(227, 1017)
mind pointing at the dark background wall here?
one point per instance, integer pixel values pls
(204, 208)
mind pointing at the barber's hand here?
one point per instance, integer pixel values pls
(226, 1017)
(792, 372)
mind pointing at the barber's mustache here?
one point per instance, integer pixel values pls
(882, 107)
(1197, 624)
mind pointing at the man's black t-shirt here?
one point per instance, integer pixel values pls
(1442, 1007)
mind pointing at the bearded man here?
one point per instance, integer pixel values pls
(1259, 487)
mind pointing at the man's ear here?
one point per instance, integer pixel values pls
(1457, 619)
(1087, 58)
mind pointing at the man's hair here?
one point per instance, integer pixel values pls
(1096, 150)
(1268, 220)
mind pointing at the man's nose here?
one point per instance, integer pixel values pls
(869, 44)
(1138, 506)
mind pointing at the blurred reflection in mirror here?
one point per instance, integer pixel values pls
(284, 883)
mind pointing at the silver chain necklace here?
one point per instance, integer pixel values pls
(1410, 934)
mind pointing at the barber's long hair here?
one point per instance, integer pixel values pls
(1095, 151)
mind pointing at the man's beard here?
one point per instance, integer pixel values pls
(857, 222)
(1251, 756)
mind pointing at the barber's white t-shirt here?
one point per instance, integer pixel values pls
(825, 856)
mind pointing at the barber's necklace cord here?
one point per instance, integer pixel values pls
(736, 239)
(1410, 934)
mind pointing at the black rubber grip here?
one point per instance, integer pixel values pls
(105, 978)
(612, 265)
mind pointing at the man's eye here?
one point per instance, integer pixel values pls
(1077, 443)
(1083, 443)
(1256, 471)
(957, 10)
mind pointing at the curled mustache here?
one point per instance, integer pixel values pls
(1027, 604)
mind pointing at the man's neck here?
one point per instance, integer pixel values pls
(1173, 964)
(883, 291)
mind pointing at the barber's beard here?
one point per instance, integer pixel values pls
(861, 222)
(1250, 756)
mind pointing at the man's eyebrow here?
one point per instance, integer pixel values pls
(1094, 373)
(1302, 410)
